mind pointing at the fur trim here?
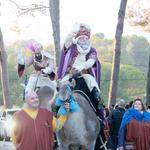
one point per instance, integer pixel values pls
(82, 51)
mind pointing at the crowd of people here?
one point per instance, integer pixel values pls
(129, 126)
(125, 127)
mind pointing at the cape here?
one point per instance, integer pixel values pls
(68, 55)
(132, 113)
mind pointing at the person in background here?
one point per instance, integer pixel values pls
(129, 105)
(148, 108)
(106, 125)
(43, 65)
(134, 132)
(34, 126)
(114, 121)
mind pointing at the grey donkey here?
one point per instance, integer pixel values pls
(82, 127)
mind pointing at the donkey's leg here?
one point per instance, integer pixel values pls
(63, 146)
(75, 147)
(91, 146)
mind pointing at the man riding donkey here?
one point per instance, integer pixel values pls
(43, 74)
(79, 58)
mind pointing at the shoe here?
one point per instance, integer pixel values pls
(96, 94)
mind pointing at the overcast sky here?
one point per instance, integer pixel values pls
(101, 15)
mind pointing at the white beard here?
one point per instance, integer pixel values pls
(81, 58)
(84, 48)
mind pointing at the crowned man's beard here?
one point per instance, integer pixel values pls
(84, 45)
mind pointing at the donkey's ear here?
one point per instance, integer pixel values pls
(72, 83)
(58, 83)
(57, 89)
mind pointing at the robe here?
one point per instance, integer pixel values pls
(34, 134)
(135, 130)
(68, 57)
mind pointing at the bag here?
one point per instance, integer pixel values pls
(130, 146)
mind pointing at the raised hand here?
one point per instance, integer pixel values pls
(47, 70)
(76, 27)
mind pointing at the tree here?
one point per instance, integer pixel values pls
(4, 74)
(148, 85)
(116, 55)
(141, 18)
(54, 13)
(138, 14)
(31, 9)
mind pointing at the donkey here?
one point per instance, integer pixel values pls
(45, 89)
(45, 95)
(82, 127)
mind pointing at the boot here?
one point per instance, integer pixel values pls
(97, 103)
(96, 95)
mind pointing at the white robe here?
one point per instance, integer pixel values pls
(80, 64)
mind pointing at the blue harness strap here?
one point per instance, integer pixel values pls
(73, 104)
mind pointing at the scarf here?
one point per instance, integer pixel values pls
(132, 113)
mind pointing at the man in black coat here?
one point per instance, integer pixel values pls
(114, 121)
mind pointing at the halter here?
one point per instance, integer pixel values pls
(70, 95)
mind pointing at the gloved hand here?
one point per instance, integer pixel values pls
(76, 27)
(79, 68)
(47, 70)
(20, 58)
(89, 63)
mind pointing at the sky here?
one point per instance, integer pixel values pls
(101, 15)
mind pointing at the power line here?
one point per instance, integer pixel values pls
(107, 61)
(126, 79)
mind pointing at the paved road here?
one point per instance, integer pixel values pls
(6, 146)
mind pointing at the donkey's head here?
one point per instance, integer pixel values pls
(65, 89)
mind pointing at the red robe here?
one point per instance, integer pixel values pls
(139, 133)
(34, 134)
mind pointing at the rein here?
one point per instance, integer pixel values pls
(70, 95)
(82, 93)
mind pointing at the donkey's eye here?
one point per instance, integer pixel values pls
(57, 88)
